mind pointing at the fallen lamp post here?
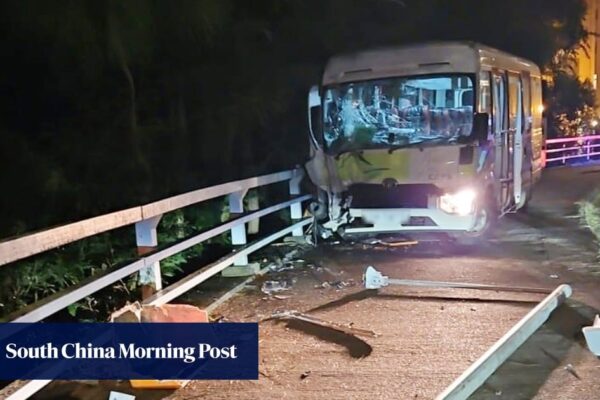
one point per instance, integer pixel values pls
(374, 279)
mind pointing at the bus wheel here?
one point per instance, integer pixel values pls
(485, 223)
(526, 196)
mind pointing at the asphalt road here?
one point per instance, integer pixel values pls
(428, 336)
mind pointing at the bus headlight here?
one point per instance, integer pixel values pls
(461, 202)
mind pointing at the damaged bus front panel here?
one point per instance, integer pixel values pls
(438, 137)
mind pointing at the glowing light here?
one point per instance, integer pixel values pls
(594, 123)
(461, 203)
(540, 108)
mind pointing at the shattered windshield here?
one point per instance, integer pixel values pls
(398, 112)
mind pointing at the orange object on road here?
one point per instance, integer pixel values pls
(165, 313)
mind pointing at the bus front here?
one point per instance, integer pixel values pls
(404, 154)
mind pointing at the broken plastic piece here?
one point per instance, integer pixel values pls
(374, 279)
(120, 396)
(592, 336)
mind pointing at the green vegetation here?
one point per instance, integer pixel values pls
(589, 211)
(26, 282)
(570, 102)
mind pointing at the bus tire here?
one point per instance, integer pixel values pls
(488, 218)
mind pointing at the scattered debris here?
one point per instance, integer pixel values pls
(569, 368)
(397, 243)
(219, 318)
(120, 396)
(553, 276)
(270, 287)
(304, 375)
(280, 267)
(336, 284)
(280, 297)
(473, 309)
(292, 314)
(498, 393)
(264, 374)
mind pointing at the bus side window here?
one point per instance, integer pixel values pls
(526, 88)
(537, 107)
(485, 95)
(499, 103)
(485, 98)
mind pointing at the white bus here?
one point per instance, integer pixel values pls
(442, 137)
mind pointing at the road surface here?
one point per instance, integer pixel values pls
(428, 337)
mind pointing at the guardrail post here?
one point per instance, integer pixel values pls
(240, 267)
(252, 204)
(147, 240)
(588, 148)
(296, 208)
(238, 233)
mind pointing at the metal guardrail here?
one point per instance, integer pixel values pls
(146, 219)
(559, 151)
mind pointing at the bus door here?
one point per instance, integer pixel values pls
(515, 136)
(527, 168)
(502, 169)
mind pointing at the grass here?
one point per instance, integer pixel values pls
(589, 210)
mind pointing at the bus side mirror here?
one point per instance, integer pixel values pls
(481, 126)
(314, 115)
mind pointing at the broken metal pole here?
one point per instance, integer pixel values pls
(375, 280)
(292, 314)
(484, 367)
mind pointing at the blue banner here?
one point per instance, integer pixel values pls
(129, 351)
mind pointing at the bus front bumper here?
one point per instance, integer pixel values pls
(409, 220)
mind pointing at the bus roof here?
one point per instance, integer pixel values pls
(422, 59)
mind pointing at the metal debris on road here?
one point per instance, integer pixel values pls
(553, 276)
(399, 243)
(374, 279)
(569, 368)
(297, 315)
(304, 375)
(338, 285)
(270, 287)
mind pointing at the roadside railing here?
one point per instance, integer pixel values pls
(146, 219)
(561, 151)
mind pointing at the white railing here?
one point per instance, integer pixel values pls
(558, 151)
(146, 219)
